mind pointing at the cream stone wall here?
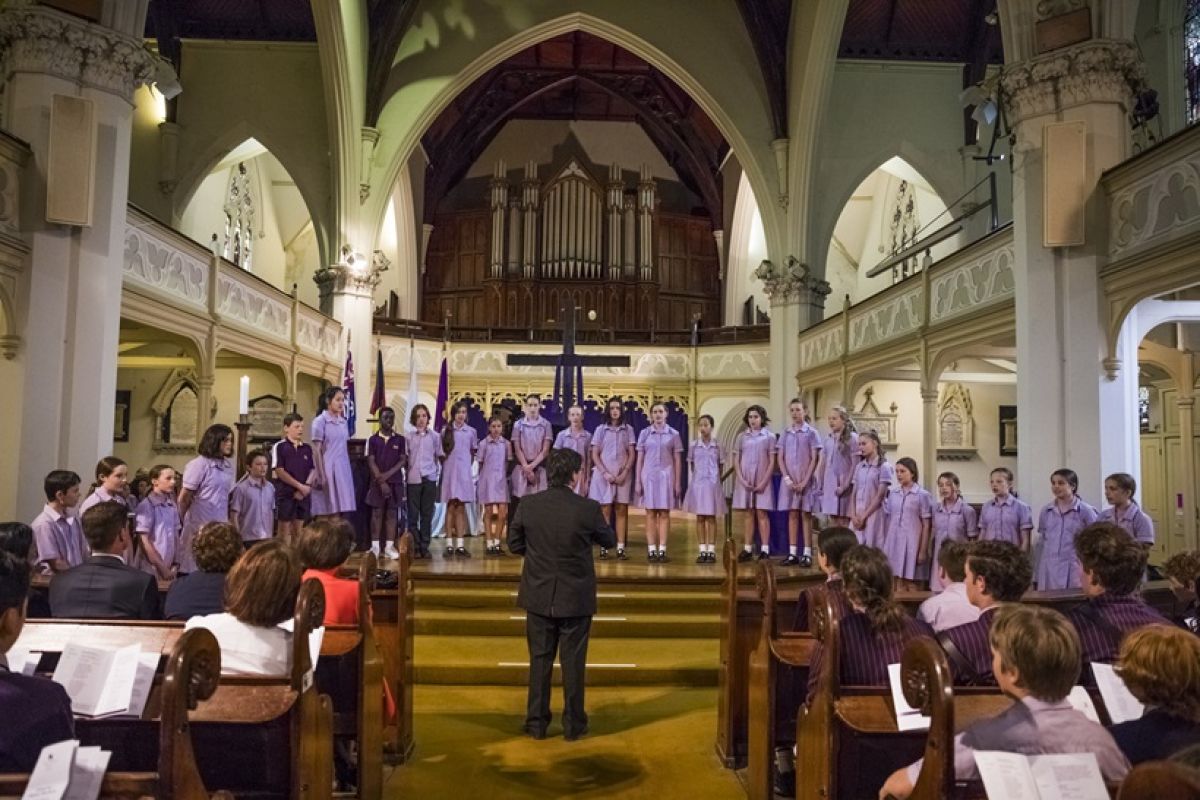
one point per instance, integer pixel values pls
(12, 378)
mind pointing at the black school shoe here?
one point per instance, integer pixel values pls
(603, 553)
(745, 556)
(662, 558)
(461, 552)
(652, 556)
(621, 554)
(806, 561)
(449, 551)
(763, 555)
(702, 558)
(790, 561)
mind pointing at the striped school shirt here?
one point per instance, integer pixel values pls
(865, 655)
(971, 640)
(1104, 620)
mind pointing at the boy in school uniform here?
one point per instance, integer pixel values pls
(37, 711)
(57, 533)
(951, 607)
(252, 501)
(1035, 653)
(292, 468)
(832, 545)
(386, 456)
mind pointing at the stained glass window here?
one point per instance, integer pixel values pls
(1144, 409)
(1191, 54)
(239, 219)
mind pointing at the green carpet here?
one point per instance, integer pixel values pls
(645, 742)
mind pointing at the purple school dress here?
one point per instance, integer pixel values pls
(704, 494)
(1004, 520)
(210, 480)
(492, 455)
(753, 451)
(1134, 521)
(951, 523)
(581, 443)
(457, 483)
(528, 438)
(798, 447)
(102, 495)
(158, 520)
(867, 480)
(906, 510)
(657, 479)
(330, 435)
(1057, 567)
(837, 467)
(612, 446)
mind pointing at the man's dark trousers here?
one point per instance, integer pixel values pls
(567, 636)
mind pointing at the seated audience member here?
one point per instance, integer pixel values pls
(56, 531)
(1036, 655)
(1111, 565)
(832, 545)
(323, 545)
(17, 538)
(37, 711)
(1161, 666)
(996, 572)
(1183, 573)
(260, 593)
(216, 548)
(104, 586)
(950, 607)
(875, 630)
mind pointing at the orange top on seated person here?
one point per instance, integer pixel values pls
(323, 545)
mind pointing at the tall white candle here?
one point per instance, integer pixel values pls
(244, 396)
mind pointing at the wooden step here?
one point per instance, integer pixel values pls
(511, 622)
(610, 599)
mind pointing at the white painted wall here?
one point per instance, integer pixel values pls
(747, 250)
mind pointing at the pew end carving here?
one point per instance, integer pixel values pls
(928, 686)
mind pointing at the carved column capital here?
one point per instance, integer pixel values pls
(42, 40)
(1097, 71)
(929, 396)
(353, 274)
(793, 281)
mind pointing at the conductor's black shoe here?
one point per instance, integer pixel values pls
(603, 553)
(461, 552)
(535, 733)
(576, 735)
(790, 561)
(784, 783)
(806, 561)
(745, 556)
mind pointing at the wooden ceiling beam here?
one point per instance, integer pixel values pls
(387, 22)
(768, 22)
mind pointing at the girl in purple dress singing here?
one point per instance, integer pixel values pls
(1123, 510)
(659, 469)
(705, 497)
(835, 469)
(575, 437)
(953, 521)
(491, 492)
(158, 525)
(333, 483)
(799, 450)
(1058, 523)
(907, 511)
(612, 462)
(458, 444)
(111, 485)
(872, 477)
(531, 440)
(1004, 517)
(207, 482)
(753, 466)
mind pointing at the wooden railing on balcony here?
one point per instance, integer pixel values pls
(390, 326)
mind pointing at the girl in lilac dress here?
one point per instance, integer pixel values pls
(458, 446)
(1004, 517)
(835, 470)
(333, 483)
(872, 478)
(1123, 510)
(1059, 522)
(799, 452)
(907, 511)
(157, 526)
(953, 521)
(531, 440)
(612, 470)
(659, 470)
(111, 485)
(753, 466)
(207, 482)
(575, 437)
(491, 491)
(704, 497)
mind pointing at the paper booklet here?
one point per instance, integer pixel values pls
(99, 680)
(1081, 701)
(1120, 703)
(1058, 776)
(907, 717)
(67, 771)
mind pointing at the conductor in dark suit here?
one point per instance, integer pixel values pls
(104, 586)
(556, 530)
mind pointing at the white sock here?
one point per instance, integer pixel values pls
(458, 542)
(764, 548)
(749, 548)
(808, 552)
(791, 549)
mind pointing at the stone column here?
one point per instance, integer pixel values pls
(929, 435)
(1186, 403)
(1060, 333)
(793, 293)
(347, 291)
(74, 283)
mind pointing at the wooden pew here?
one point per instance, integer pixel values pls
(394, 630)
(256, 736)
(1161, 780)
(191, 675)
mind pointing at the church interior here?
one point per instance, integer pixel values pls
(970, 226)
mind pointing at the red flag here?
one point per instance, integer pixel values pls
(378, 397)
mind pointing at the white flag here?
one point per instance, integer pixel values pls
(410, 400)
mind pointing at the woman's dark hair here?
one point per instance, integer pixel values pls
(834, 542)
(105, 467)
(909, 464)
(417, 409)
(261, 587)
(325, 543)
(561, 466)
(620, 405)
(867, 577)
(213, 438)
(16, 538)
(1125, 482)
(448, 431)
(762, 414)
(1069, 476)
